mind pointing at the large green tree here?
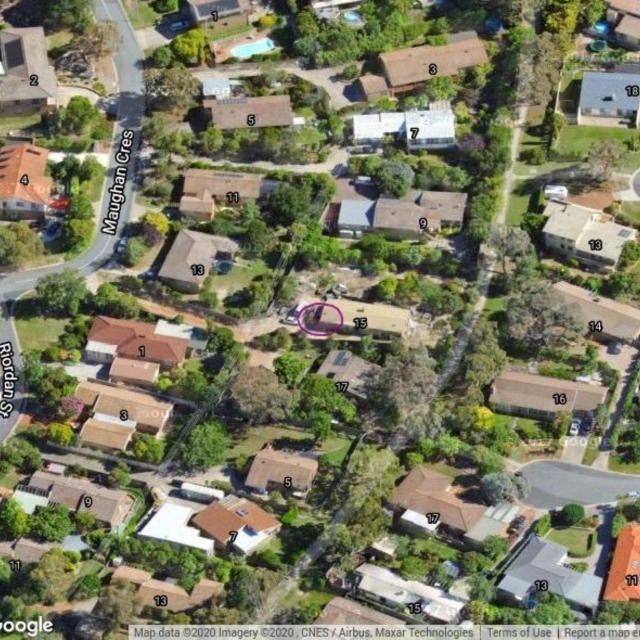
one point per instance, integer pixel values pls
(207, 445)
(51, 524)
(13, 520)
(61, 294)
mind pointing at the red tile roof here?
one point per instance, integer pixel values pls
(19, 160)
(626, 562)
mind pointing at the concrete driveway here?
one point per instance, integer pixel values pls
(574, 448)
(554, 484)
(151, 38)
(66, 92)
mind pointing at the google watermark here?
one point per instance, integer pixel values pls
(30, 628)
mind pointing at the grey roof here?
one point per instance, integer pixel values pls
(601, 90)
(540, 559)
(223, 7)
(356, 213)
(215, 86)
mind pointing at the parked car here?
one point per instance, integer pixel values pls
(178, 25)
(615, 347)
(122, 243)
(574, 429)
(517, 524)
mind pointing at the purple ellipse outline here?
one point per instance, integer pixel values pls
(315, 333)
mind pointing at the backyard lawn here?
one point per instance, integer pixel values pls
(35, 331)
(517, 206)
(432, 545)
(574, 538)
(141, 14)
(18, 123)
(239, 277)
(631, 212)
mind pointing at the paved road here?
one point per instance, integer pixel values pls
(554, 484)
(128, 62)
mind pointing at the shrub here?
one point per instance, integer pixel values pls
(290, 516)
(572, 514)
(543, 526)
(618, 522)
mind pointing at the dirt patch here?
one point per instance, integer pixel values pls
(262, 358)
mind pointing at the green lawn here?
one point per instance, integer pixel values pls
(256, 437)
(444, 469)
(517, 206)
(141, 13)
(240, 276)
(591, 452)
(616, 464)
(228, 33)
(36, 331)
(631, 212)
(309, 136)
(335, 449)
(93, 188)
(575, 539)
(59, 39)
(18, 123)
(494, 305)
(570, 91)
(10, 480)
(432, 545)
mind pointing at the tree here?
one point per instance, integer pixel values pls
(190, 47)
(70, 14)
(320, 425)
(605, 156)
(207, 445)
(109, 301)
(509, 242)
(504, 487)
(473, 562)
(484, 418)
(480, 588)
(617, 523)
(320, 395)
(119, 476)
(394, 177)
(133, 252)
(551, 609)
(52, 524)
(76, 117)
(413, 568)
(89, 587)
(169, 89)
(572, 514)
(146, 448)
(350, 72)
(71, 407)
(100, 39)
(440, 88)
(21, 454)
(495, 547)
(258, 395)
(118, 604)
(157, 220)
(61, 434)
(19, 244)
(61, 294)
(48, 385)
(561, 424)
(13, 520)
(592, 11)
(487, 461)
(85, 521)
(52, 577)
(289, 367)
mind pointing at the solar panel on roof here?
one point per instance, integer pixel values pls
(13, 54)
(625, 233)
(342, 357)
(230, 101)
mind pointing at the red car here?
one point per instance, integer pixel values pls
(60, 203)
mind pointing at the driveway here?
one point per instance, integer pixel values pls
(66, 92)
(574, 448)
(554, 484)
(151, 38)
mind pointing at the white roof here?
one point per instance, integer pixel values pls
(247, 540)
(202, 490)
(164, 328)
(299, 121)
(169, 524)
(374, 126)
(430, 124)
(103, 417)
(29, 499)
(101, 347)
(418, 519)
(385, 584)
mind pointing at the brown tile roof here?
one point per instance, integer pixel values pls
(268, 111)
(30, 551)
(24, 53)
(427, 491)
(134, 370)
(141, 408)
(343, 366)
(629, 26)
(192, 248)
(593, 199)
(131, 574)
(274, 466)
(442, 206)
(129, 336)
(18, 160)
(409, 66)
(206, 590)
(347, 612)
(619, 320)
(231, 514)
(107, 505)
(626, 562)
(401, 215)
(530, 391)
(177, 598)
(105, 434)
(373, 85)
(625, 6)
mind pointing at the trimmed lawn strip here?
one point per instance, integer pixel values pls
(36, 331)
(591, 452)
(517, 206)
(575, 539)
(432, 545)
(616, 464)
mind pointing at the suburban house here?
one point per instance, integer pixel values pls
(273, 470)
(605, 96)
(150, 590)
(218, 15)
(28, 82)
(237, 523)
(531, 395)
(117, 414)
(381, 585)
(134, 372)
(344, 367)
(347, 612)
(216, 88)
(170, 524)
(433, 129)
(624, 16)
(589, 235)
(407, 69)
(203, 189)
(418, 212)
(381, 321)
(110, 338)
(625, 562)
(109, 506)
(427, 501)
(539, 559)
(20, 198)
(250, 113)
(192, 254)
(29, 551)
(618, 321)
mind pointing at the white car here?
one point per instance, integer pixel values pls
(574, 429)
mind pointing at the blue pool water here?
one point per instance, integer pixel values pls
(602, 28)
(351, 16)
(253, 48)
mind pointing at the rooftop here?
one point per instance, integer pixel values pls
(626, 562)
(603, 90)
(343, 366)
(347, 612)
(105, 434)
(134, 370)
(271, 466)
(264, 111)
(18, 160)
(380, 317)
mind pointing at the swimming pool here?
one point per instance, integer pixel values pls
(351, 16)
(253, 48)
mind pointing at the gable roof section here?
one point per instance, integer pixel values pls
(540, 559)
(224, 8)
(106, 434)
(602, 90)
(397, 214)
(343, 366)
(194, 248)
(618, 320)
(268, 111)
(626, 562)
(343, 611)
(24, 53)
(128, 337)
(426, 491)
(270, 465)
(134, 370)
(531, 391)
(30, 551)
(18, 160)
(356, 213)
(408, 66)
(380, 317)
(131, 574)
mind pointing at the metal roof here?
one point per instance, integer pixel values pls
(356, 213)
(602, 90)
